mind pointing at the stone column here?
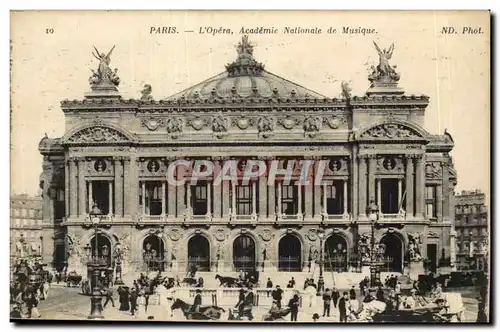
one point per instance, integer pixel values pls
(262, 198)
(181, 194)
(188, 197)
(72, 190)
(371, 177)
(362, 186)
(439, 203)
(409, 186)
(233, 197)
(400, 192)
(309, 199)
(254, 198)
(346, 211)
(299, 198)
(172, 200)
(118, 187)
(110, 197)
(209, 198)
(131, 187)
(447, 191)
(272, 201)
(143, 198)
(420, 186)
(279, 212)
(163, 199)
(379, 193)
(226, 205)
(91, 195)
(318, 203)
(217, 191)
(82, 187)
(66, 188)
(354, 183)
(324, 207)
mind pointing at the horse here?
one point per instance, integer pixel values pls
(228, 281)
(205, 312)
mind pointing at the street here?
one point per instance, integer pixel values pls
(68, 303)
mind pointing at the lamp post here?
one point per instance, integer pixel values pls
(373, 215)
(118, 261)
(321, 281)
(94, 266)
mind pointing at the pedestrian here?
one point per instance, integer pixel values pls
(32, 304)
(123, 293)
(352, 293)
(327, 298)
(380, 294)
(397, 288)
(109, 297)
(293, 304)
(197, 301)
(335, 296)
(249, 301)
(292, 281)
(133, 301)
(241, 300)
(269, 285)
(315, 317)
(16, 312)
(343, 303)
(277, 295)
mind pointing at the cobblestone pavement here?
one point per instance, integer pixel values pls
(68, 304)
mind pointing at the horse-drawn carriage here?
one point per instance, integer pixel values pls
(73, 279)
(251, 279)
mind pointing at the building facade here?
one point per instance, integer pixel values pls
(26, 236)
(115, 154)
(472, 229)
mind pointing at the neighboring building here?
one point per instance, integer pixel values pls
(25, 225)
(472, 229)
(115, 153)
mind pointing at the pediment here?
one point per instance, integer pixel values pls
(98, 134)
(392, 131)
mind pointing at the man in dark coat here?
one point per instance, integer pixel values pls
(241, 300)
(269, 285)
(197, 301)
(293, 304)
(249, 301)
(327, 298)
(133, 301)
(380, 294)
(335, 296)
(109, 296)
(343, 302)
(123, 295)
(277, 295)
(352, 293)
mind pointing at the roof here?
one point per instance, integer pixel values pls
(245, 78)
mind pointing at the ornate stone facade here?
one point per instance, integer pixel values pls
(374, 146)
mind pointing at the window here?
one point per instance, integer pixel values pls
(153, 198)
(334, 198)
(430, 201)
(199, 199)
(389, 199)
(244, 200)
(289, 200)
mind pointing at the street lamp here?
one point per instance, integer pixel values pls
(94, 265)
(373, 216)
(321, 281)
(118, 260)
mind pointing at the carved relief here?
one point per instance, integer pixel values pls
(335, 165)
(152, 123)
(175, 234)
(312, 235)
(289, 122)
(153, 166)
(433, 170)
(334, 121)
(266, 126)
(243, 122)
(175, 125)
(312, 125)
(390, 164)
(266, 234)
(98, 134)
(415, 247)
(390, 130)
(220, 125)
(197, 123)
(220, 234)
(99, 166)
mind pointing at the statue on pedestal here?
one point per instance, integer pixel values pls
(384, 72)
(104, 74)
